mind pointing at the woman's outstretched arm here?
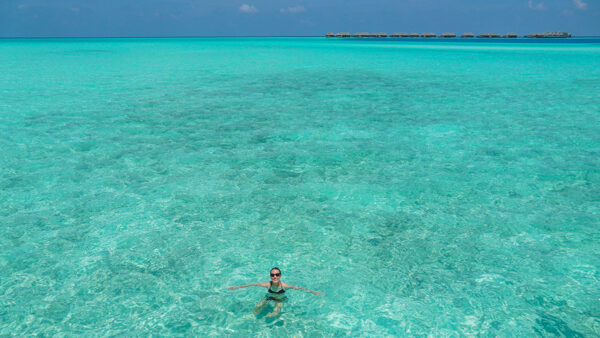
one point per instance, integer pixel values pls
(287, 286)
(247, 285)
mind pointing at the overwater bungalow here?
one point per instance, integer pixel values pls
(488, 35)
(329, 35)
(380, 35)
(549, 35)
(343, 35)
(361, 35)
(428, 35)
(510, 35)
(447, 35)
(413, 35)
(557, 35)
(399, 35)
(468, 35)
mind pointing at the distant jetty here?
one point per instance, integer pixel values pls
(446, 35)
(366, 35)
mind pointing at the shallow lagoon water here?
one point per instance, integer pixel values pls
(426, 187)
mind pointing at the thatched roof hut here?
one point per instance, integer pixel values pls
(413, 35)
(361, 35)
(428, 35)
(447, 35)
(329, 35)
(556, 35)
(510, 35)
(399, 35)
(468, 35)
(380, 35)
(343, 35)
(488, 35)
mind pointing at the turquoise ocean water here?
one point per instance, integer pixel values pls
(427, 187)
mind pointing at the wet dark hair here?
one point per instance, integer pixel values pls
(275, 268)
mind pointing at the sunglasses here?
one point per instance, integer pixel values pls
(275, 274)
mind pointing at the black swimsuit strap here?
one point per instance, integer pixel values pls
(282, 290)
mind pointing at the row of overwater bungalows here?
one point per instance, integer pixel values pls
(446, 35)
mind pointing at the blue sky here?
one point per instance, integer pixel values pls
(62, 18)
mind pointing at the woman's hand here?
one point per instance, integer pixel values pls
(317, 293)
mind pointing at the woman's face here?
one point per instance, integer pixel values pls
(275, 275)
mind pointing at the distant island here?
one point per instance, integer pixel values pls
(446, 35)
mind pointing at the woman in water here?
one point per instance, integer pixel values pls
(275, 293)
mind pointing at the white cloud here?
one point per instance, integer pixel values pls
(293, 10)
(537, 7)
(580, 4)
(245, 8)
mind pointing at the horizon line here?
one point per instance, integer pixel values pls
(205, 36)
(160, 37)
